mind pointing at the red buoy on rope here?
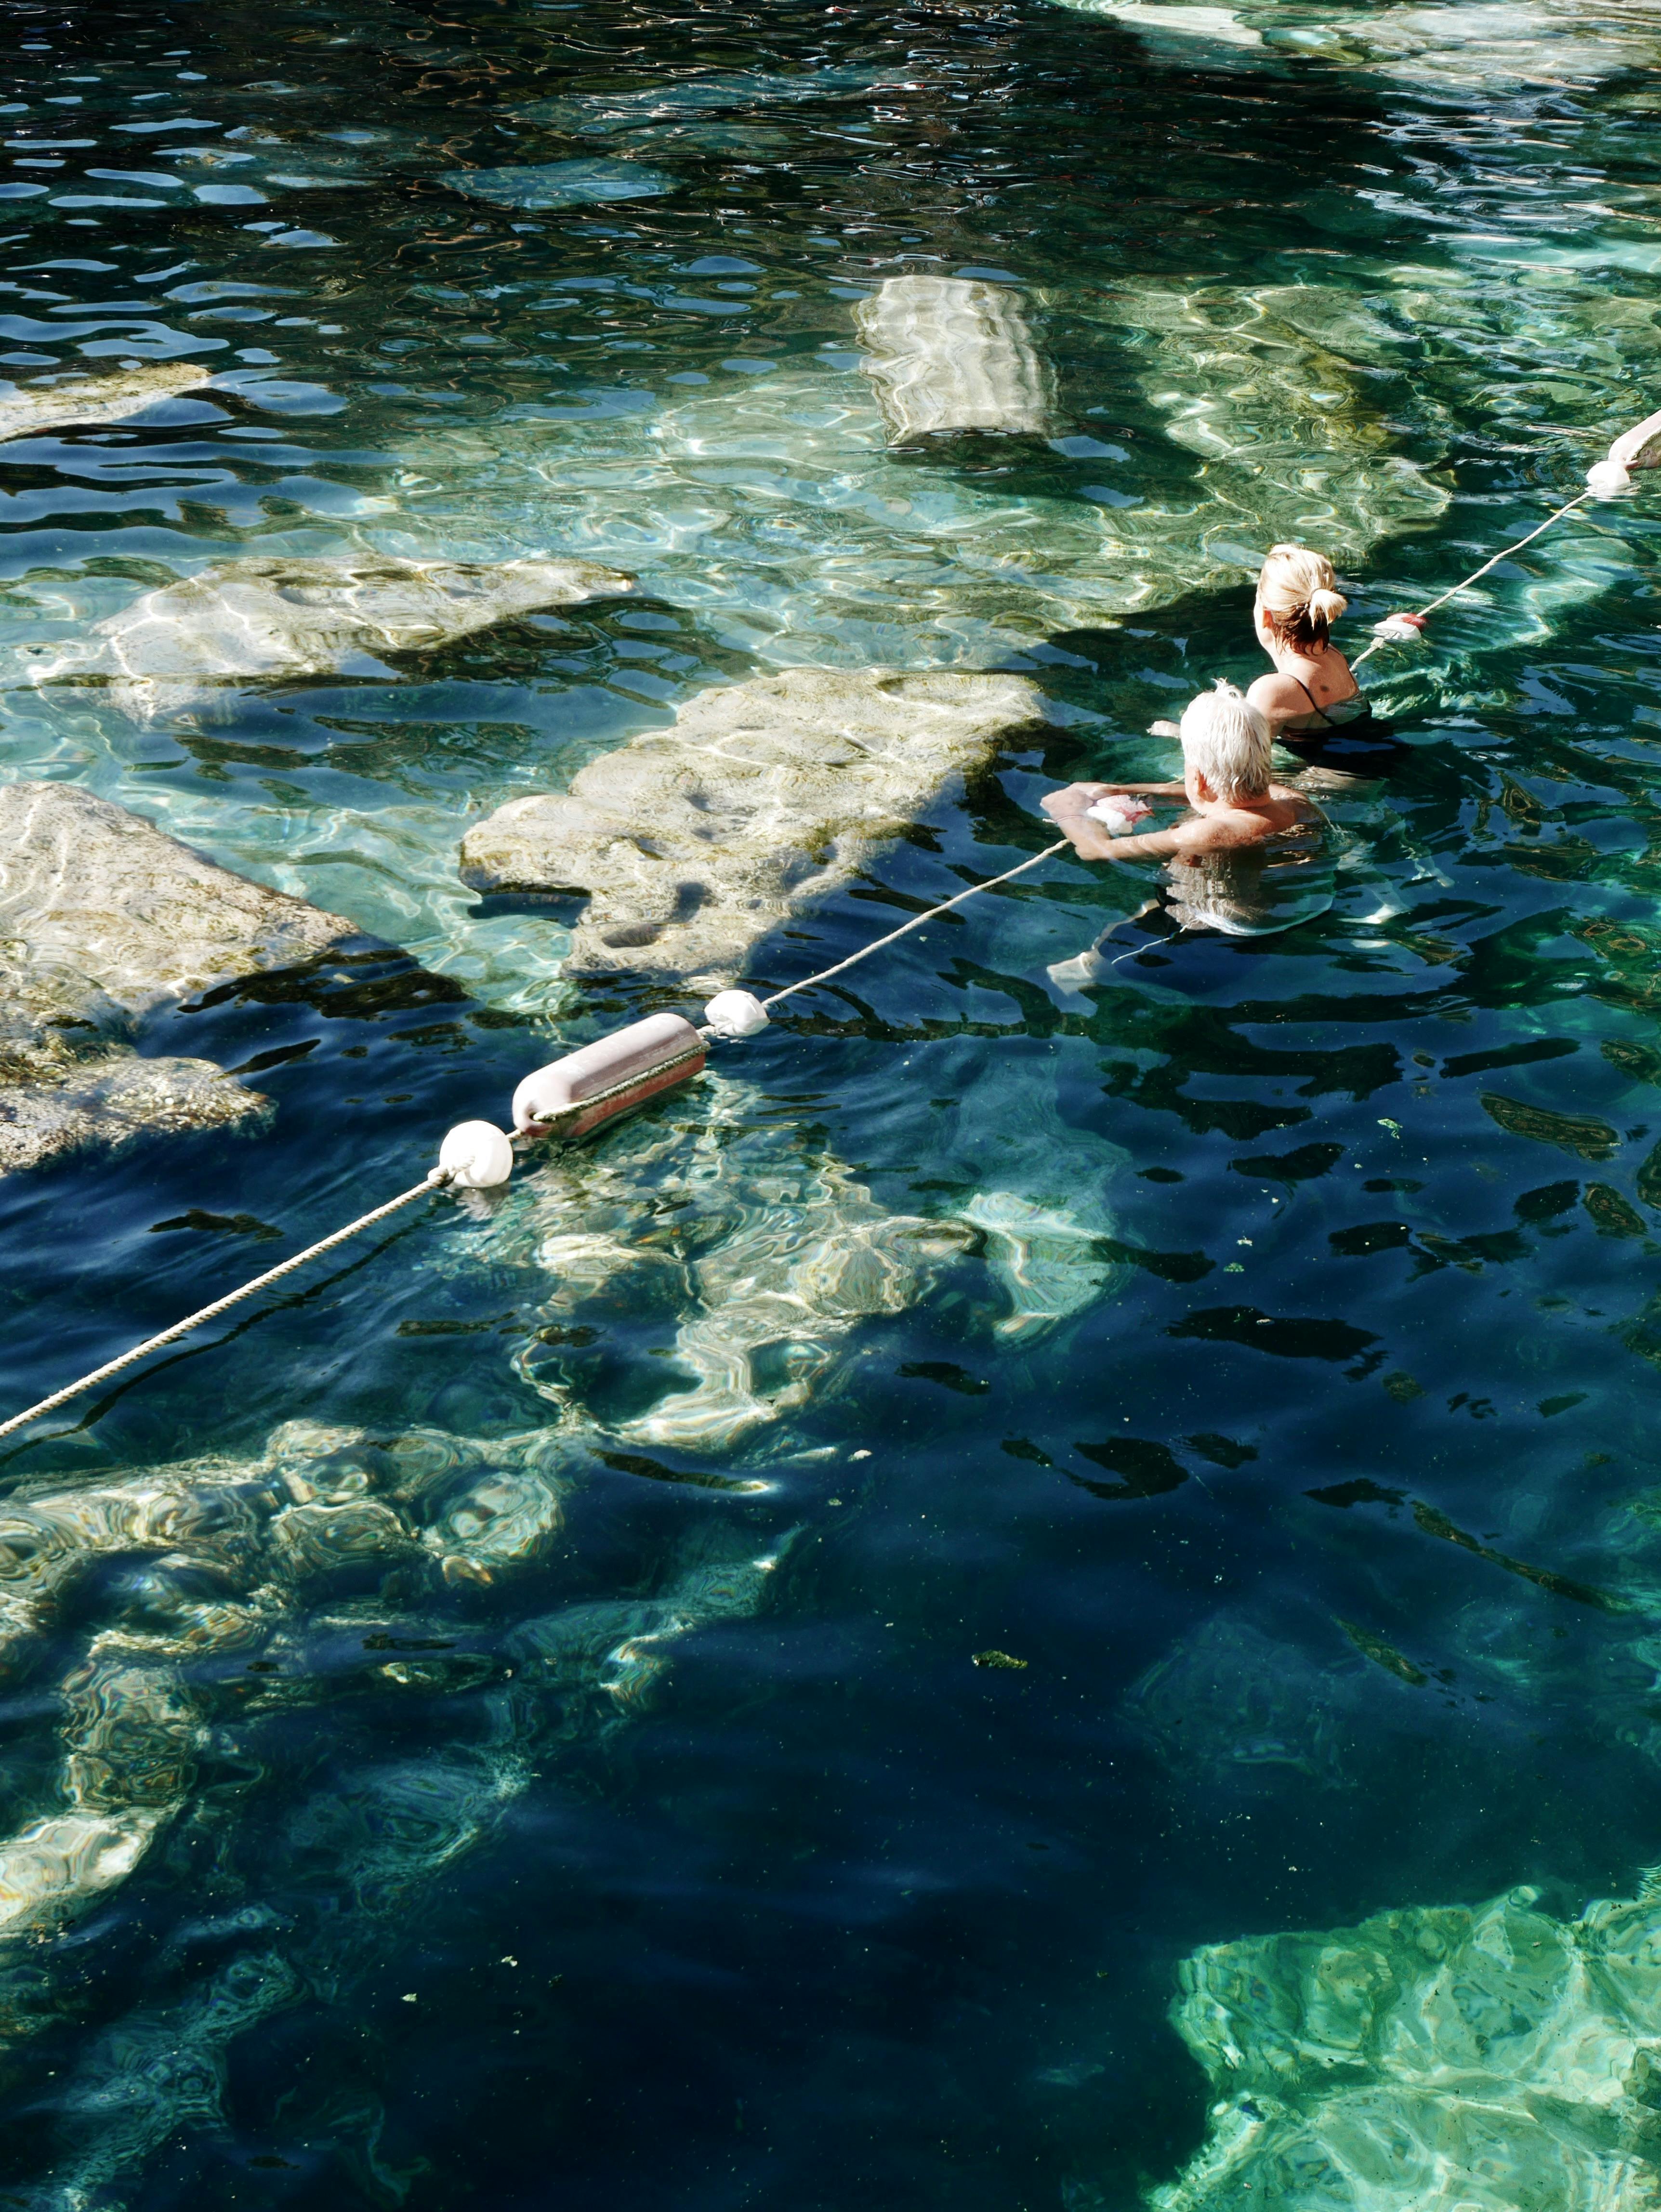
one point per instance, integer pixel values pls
(613, 1076)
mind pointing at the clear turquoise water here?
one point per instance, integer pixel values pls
(810, 1909)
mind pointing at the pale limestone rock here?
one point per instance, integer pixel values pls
(694, 842)
(1483, 2058)
(103, 919)
(28, 408)
(56, 1866)
(285, 618)
(99, 905)
(761, 1243)
(947, 354)
(60, 1108)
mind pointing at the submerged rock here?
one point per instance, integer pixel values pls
(278, 618)
(222, 1554)
(1453, 51)
(28, 408)
(1488, 2057)
(1051, 1262)
(1228, 1702)
(775, 511)
(103, 919)
(59, 1108)
(600, 114)
(382, 1813)
(748, 1245)
(561, 184)
(692, 842)
(950, 354)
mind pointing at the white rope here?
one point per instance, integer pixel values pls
(435, 1179)
(916, 921)
(1476, 575)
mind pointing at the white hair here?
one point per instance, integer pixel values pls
(1227, 740)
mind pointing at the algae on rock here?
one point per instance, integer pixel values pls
(1487, 2058)
(103, 919)
(692, 842)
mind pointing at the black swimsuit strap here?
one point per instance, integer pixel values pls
(1310, 696)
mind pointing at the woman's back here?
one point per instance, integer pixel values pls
(1313, 687)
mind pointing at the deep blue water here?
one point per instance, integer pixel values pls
(1324, 1528)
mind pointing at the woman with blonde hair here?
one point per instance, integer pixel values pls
(1313, 690)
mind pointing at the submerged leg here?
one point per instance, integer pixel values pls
(1092, 965)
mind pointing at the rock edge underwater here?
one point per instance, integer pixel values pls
(692, 842)
(1436, 2058)
(103, 919)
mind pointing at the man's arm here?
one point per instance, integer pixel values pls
(1094, 841)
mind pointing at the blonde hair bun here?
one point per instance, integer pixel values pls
(1299, 592)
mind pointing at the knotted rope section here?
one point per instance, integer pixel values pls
(435, 1179)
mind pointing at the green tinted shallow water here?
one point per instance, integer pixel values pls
(561, 1764)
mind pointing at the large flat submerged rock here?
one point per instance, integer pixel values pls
(25, 409)
(692, 842)
(285, 618)
(102, 920)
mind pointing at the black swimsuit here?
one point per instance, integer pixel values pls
(1323, 735)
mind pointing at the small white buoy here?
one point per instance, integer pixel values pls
(1637, 448)
(1609, 479)
(734, 1014)
(475, 1156)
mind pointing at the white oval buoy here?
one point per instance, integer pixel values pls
(1609, 479)
(734, 1014)
(1399, 629)
(613, 1075)
(1637, 448)
(477, 1155)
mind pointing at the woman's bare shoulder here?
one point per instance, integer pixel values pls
(1278, 695)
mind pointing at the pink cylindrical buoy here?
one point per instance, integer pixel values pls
(613, 1076)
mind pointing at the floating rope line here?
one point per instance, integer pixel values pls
(916, 921)
(1392, 630)
(435, 1179)
(476, 1156)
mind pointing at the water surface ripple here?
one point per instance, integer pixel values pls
(682, 1688)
